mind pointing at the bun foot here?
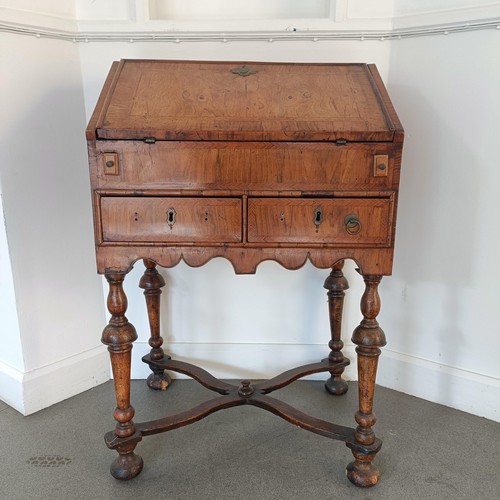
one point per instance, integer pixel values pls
(362, 472)
(126, 466)
(159, 381)
(336, 386)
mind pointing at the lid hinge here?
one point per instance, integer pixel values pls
(149, 140)
(341, 142)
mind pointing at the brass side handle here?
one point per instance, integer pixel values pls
(381, 165)
(111, 166)
(352, 224)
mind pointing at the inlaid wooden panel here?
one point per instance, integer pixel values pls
(150, 219)
(213, 101)
(345, 221)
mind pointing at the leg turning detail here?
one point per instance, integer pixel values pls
(368, 337)
(118, 335)
(152, 282)
(336, 284)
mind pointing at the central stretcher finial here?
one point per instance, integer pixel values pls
(245, 390)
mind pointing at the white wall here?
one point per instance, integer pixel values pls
(11, 353)
(441, 294)
(446, 315)
(46, 203)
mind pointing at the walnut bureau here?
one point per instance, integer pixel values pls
(248, 161)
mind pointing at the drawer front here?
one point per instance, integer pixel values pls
(303, 167)
(343, 221)
(171, 219)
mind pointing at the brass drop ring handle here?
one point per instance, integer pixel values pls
(352, 224)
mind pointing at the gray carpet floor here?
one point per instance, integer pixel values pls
(429, 452)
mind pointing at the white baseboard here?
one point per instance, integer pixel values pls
(37, 389)
(11, 387)
(471, 392)
(454, 387)
(457, 388)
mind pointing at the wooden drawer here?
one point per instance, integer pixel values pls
(245, 166)
(343, 221)
(172, 219)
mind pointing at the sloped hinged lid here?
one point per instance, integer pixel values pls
(185, 100)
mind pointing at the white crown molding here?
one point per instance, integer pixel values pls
(144, 30)
(33, 19)
(446, 16)
(241, 36)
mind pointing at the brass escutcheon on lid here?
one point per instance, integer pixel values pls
(244, 71)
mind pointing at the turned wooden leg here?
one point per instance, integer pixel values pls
(118, 336)
(368, 337)
(336, 284)
(152, 282)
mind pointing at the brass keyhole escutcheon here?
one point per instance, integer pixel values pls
(282, 216)
(171, 213)
(318, 217)
(352, 224)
